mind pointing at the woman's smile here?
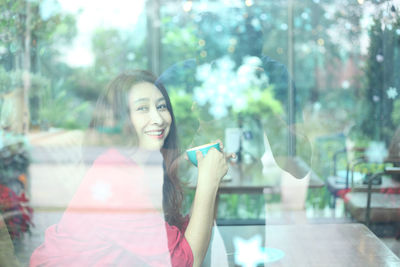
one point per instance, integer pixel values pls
(149, 115)
(157, 134)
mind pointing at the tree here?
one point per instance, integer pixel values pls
(376, 108)
(25, 36)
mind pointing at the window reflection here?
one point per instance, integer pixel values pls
(305, 93)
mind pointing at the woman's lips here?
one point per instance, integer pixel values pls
(156, 134)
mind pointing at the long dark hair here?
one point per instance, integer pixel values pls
(115, 99)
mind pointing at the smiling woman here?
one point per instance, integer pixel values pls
(150, 116)
(136, 104)
(140, 105)
(127, 210)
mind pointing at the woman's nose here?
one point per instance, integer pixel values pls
(155, 116)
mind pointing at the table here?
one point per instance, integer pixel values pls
(392, 170)
(387, 183)
(316, 244)
(249, 179)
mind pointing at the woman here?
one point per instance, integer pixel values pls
(117, 216)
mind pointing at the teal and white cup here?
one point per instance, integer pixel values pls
(203, 149)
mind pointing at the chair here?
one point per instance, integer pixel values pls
(378, 206)
(339, 182)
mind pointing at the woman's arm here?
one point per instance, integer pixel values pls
(198, 232)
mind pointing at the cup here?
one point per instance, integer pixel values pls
(203, 149)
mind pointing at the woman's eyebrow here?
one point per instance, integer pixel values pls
(141, 100)
(146, 99)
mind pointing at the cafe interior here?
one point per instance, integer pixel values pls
(303, 93)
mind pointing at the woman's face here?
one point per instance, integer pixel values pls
(149, 115)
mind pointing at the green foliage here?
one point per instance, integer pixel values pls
(86, 83)
(115, 50)
(46, 33)
(396, 113)
(186, 117)
(62, 111)
(179, 42)
(14, 163)
(13, 80)
(236, 206)
(376, 109)
(260, 104)
(14, 157)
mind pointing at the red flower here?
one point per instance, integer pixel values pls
(16, 211)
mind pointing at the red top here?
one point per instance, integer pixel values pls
(113, 220)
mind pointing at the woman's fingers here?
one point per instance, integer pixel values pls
(221, 145)
(199, 155)
(227, 155)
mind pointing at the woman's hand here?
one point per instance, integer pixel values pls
(212, 167)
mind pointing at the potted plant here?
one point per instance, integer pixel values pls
(14, 204)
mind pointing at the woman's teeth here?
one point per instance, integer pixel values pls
(157, 133)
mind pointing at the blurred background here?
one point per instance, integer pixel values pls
(313, 80)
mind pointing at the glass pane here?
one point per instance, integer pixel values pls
(100, 102)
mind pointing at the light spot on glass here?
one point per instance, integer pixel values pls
(187, 6)
(249, 2)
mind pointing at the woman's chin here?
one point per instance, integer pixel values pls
(144, 155)
(152, 145)
(150, 148)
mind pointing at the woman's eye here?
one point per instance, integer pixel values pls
(142, 108)
(162, 107)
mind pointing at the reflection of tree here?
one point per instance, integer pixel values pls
(46, 32)
(114, 51)
(237, 30)
(179, 41)
(381, 75)
(186, 117)
(28, 42)
(226, 89)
